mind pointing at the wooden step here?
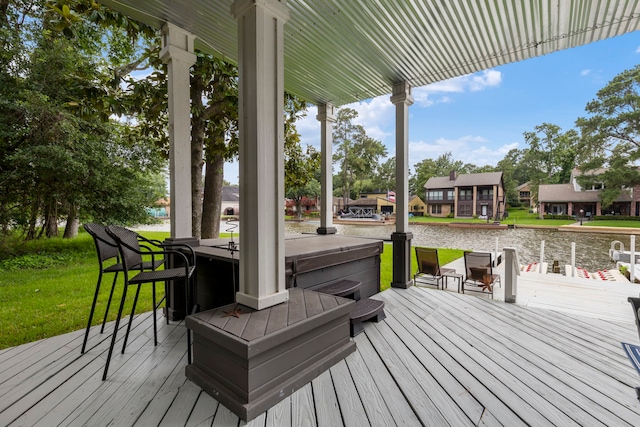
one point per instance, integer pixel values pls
(342, 288)
(366, 309)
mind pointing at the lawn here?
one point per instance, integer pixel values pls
(48, 290)
(613, 223)
(524, 217)
(515, 216)
(445, 256)
(47, 286)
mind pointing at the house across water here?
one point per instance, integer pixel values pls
(572, 199)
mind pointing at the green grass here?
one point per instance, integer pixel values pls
(523, 217)
(445, 256)
(47, 286)
(517, 216)
(49, 291)
(612, 223)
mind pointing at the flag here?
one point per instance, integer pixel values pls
(391, 196)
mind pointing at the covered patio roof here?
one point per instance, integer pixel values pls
(339, 52)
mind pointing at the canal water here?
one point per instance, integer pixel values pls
(592, 249)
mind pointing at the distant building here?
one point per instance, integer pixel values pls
(307, 205)
(381, 202)
(162, 208)
(339, 204)
(230, 200)
(384, 203)
(524, 195)
(570, 199)
(469, 195)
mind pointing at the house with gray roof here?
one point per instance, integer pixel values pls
(466, 196)
(570, 199)
(230, 200)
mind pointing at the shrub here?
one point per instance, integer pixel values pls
(566, 217)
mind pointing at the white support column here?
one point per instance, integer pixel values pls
(326, 116)
(402, 99)
(177, 53)
(261, 126)
(511, 273)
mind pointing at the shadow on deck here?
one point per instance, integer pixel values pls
(440, 358)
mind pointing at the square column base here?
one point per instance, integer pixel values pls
(402, 260)
(251, 362)
(326, 230)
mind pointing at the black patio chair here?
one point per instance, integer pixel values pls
(479, 273)
(429, 267)
(132, 248)
(107, 251)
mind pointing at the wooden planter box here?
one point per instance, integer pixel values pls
(251, 362)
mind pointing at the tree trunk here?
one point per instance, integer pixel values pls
(51, 220)
(298, 201)
(73, 222)
(197, 143)
(212, 204)
(4, 6)
(31, 230)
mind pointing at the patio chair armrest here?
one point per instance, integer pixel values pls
(154, 242)
(188, 263)
(172, 246)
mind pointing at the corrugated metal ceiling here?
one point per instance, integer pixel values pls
(345, 51)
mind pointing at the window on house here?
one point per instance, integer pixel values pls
(450, 194)
(465, 195)
(434, 195)
(486, 193)
(436, 209)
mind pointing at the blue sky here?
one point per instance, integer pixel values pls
(480, 117)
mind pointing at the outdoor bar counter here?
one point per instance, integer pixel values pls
(311, 261)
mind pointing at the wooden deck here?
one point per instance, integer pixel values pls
(439, 358)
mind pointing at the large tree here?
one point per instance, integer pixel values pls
(509, 167)
(214, 111)
(384, 177)
(301, 167)
(356, 153)
(58, 147)
(611, 136)
(551, 155)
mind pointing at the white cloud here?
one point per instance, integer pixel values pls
(585, 72)
(377, 116)
(309, 128)
(424, 96)
(638, 49)
(468, 149)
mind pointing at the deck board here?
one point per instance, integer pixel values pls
(439, 358)
(326, 400)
